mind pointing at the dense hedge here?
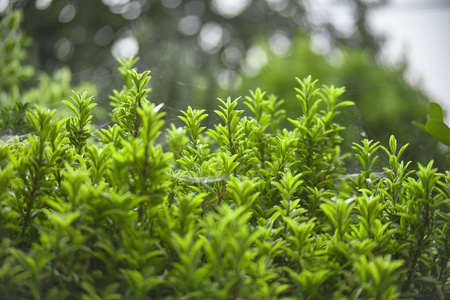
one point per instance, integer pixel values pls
(241, 210)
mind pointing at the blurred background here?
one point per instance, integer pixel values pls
(391, 55)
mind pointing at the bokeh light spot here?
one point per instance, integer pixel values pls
(210, 38)
(189, 25)
(125, 47)
(67, 13)
(277, 5)
(41, 4)
(230, 8)
(63, 49)
(280, 43)
(232, 56)
(224, 78)
(255, 59)
(115, 2)
(320, 43)
(3, 6)
(132, 10)
(171, 3)
(104, 36)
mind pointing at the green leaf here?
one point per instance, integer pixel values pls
(419, 125)
(435, 112)
(344, 104)
(439, 130)
(71, 106)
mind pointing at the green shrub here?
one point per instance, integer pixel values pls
(385, 103)
(14, 98)
(240, 210)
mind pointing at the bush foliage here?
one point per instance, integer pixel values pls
(241, 210)
(385, 102)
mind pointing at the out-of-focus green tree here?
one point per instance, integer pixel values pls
(16, 92)
(76, 32)
(190, 36)
(198, 50)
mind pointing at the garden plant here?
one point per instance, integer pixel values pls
(243, 209)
